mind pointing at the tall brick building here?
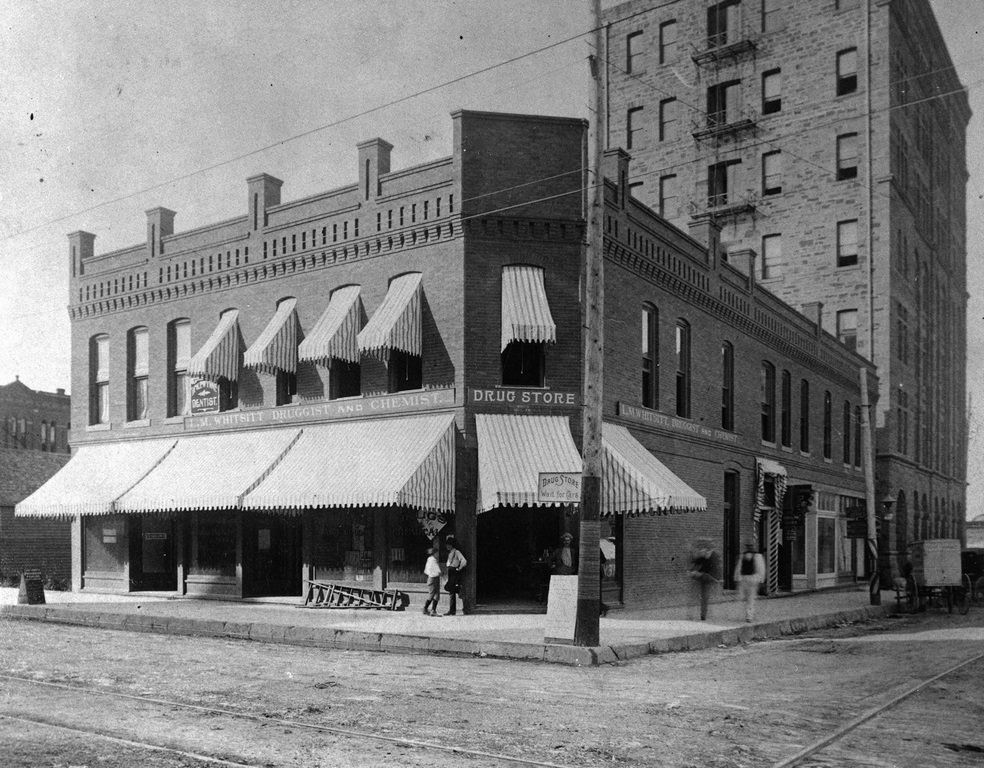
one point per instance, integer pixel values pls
(316, 388)
(829, 139)
(34, 420)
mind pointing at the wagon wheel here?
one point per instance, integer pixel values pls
(911, 594)
(962, 596)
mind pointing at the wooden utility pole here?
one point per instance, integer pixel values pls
(871, 549)
(586, 626)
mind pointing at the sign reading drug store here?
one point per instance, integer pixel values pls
(559, 488)
(204, 397)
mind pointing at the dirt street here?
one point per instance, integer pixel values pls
(209, 702)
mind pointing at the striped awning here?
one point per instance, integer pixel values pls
(406, 462)
(635, 481)
(275, 349)
(220, 356)
(209, 471)
(765, 469)
(397, 323)
(336, 334)
(514, 450)
(525, 311)
(94, 478)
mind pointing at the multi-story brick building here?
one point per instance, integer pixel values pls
(315, 389)
(829, 138)
(34, 420)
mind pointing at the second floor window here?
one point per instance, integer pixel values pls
(178, 353)
(847, 71)
(523, 364)
(847, 328)
(847, 243)
(847, 156)
(804, 416)
(138, 365)
(768, 400)
(727, 386)
(405, 371)
(344, 379)
(650, 357)
(785, 410)
(99, 380)
(828, 425)
(683, 369)
(846, 434)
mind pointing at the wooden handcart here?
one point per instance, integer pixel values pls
(323, 594)
(934, 576)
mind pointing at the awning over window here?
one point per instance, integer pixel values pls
(514, 450)
(276, 348)
(94, 478)
(525, 311)
(209, 471)
(406, 462)
(397, 323)
(220, 356)
(634, 481)
(336, 334)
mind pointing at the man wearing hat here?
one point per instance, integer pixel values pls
(749, 573)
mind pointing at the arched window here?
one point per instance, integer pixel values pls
(683, 369)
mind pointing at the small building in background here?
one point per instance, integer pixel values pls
(33, 420)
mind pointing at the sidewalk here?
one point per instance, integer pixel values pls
(624, 634)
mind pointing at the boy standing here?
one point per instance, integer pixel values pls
(432, 570)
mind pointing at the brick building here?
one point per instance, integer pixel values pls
(829, 139)
(315, 389)
(34, 420)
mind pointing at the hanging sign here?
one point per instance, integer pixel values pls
(431, 521)
(559, 488)
(205, 397)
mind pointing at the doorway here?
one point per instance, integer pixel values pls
(272, 559)
(514, 548)
(152, 563)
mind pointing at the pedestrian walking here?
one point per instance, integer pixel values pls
(432, 570)
(749, 574)
(705, 570)
(456, 564)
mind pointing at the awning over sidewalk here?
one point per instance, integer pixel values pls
(209, 471)
(275, 349)
(397, 323)
(336, 334)
(635, 481)
(220, 356)
(407, 462)
(514, 450)
(525, 311)
(94, 478)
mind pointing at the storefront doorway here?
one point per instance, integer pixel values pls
(272, 559)
(153, 566)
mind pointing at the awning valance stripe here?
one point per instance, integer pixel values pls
(209, 471)
(525, 310)
(513, 450)
(275, 349)
(220, 356)
(407, 462)
(336, 334)
(635, 481)
(397, 323)
(765, 469)
(94, 478)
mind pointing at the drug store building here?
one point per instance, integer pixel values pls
(321, 387)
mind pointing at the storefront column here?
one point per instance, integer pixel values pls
(380, 548)
(77, 559)
(812, 540)
(180, 554)
(307, 547)
(466, 520)
(239, 556)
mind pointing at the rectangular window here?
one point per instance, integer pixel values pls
(772, 173)
(668, 120)
(650, 357)
(771, 255)
(768, 400)
(727, 386)
(683, 369)
(847, 156)
(723, 103)
(99, 380)
(846, 434)
(857, 436)
(138, 365)
(178, 353)
(523, 364)
(405, 371)
(847, 71)
(668, 197)
(771, 92)
(804, 416)
(633, 127)
(847, 243)
(785, 410)
(826, 544)
(344, 379)
(667, 41)
(722, 182)
(723, 23)
(633, 53)
(828, 426)
(772, 15)
(847, 328)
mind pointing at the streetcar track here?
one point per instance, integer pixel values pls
(126, 742)
(870, 714)
(348, 732)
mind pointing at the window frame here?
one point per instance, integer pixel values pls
(668, 120)
(768, 401)
(521, 354)
(845, 172)
(178, 382)
(683, 343)
(137, 374)
(773, 105)
(671, 180)
(632, 57)
(828, 425)
(99, 378)
(786, 410)
(767, 270)
(631, 115)
(667, 49)
(846, 255)
(804, 417)
(846, 80)
(649, 338)
(844, 333)
(776, 173)
(727, 386)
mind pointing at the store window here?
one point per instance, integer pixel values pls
(650, 357)
(826, 544)
(105, 543)
(178, 355)
(213, 544)
(99, 379)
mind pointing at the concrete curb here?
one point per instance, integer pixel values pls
(343, 639)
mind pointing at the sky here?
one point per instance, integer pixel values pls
(114, 108)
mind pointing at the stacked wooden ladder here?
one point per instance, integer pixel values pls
(322, 594)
